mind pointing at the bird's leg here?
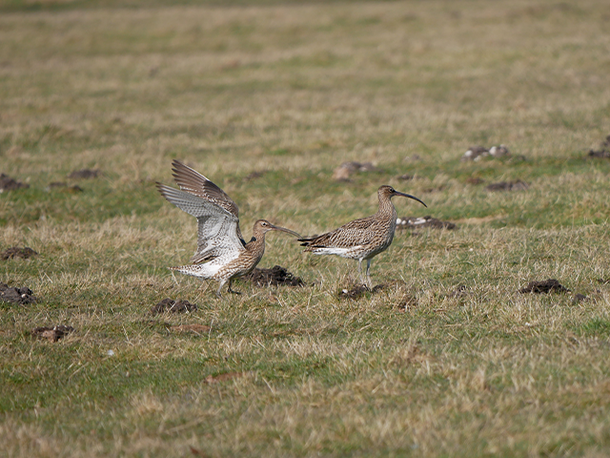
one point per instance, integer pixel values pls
(368, 276)
(230, 290)
(219, 288)
(365, 283)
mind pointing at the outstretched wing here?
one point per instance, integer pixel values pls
(195, 183)
(217, 233)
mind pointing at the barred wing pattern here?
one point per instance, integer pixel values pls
(359, 232)
(195, 183)
(218, 228)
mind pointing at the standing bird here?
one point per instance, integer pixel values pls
(222, 253)
(362, 238)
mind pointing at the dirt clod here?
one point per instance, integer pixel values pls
(197, 452)
(347, 169)
(168, 305)
(84, 174)
(14, 295)
(53, 334)
(9, 184)
(475, 180)
(547, 286)
(517, 185)
(17, 252)
(412, 222)
(358, 291)
(277, 275)
(603, 154)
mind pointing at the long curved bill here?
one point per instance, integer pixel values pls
(283, 229)
(410, 197)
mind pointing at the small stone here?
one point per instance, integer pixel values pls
(474, 153)
(412, 222)
(499, 151)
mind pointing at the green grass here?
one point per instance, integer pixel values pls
(267, 99)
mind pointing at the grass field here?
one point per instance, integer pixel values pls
(267, 99)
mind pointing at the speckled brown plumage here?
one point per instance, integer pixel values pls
(222, 254)
(362, 238)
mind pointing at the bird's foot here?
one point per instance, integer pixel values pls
(233, 291)
(366, 285)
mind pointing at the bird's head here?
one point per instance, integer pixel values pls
(263, 226)
(388, 192)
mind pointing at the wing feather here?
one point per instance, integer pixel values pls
(217, 232)
(195, 183)
(357, 232)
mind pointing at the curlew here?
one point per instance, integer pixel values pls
(222, 253)
(361, 239)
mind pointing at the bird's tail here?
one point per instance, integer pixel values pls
(306, 241)
(196, 270)
(313, 244)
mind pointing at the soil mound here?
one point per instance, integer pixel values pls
(168, 305)
(547, 286)
(53, 334)
(17, 252)
(277, 275)
(9, 184)
(21, 295)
